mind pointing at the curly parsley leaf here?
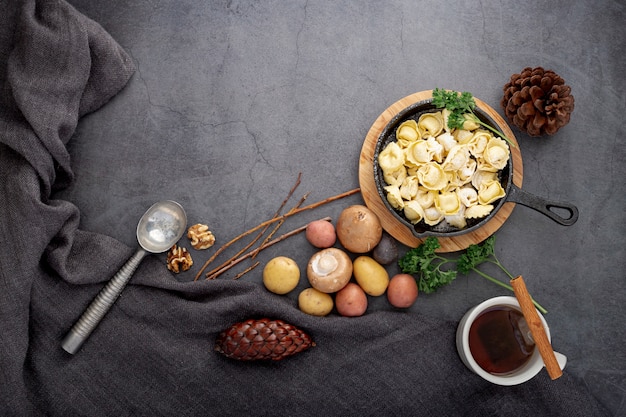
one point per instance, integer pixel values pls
(426, 264)
(456, 120)
(465, 102)
(475, 255)
(461, 107)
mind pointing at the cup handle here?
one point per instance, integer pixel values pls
(561, 359)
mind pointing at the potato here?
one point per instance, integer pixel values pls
(281, 275)
(386, 251)
(351, 300)
(315, 303)
(358, 229)
(370, 275)
(402, 291)
(321, 234)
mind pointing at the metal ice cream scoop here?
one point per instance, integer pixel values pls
(159, 228)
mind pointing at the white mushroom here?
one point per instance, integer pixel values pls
(329, 270)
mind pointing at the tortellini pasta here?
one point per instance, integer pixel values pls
(457, 220)
(413, 211)
(436, 174)
(409, 187)
(496, 153)
(418, 153)
(391, 158)
(393, 197)
(407, 133)
(448, 203)
(395, 177)
(467, 195)
(432, 216)
(431, 123)
(490, 192)
(457, 158)
(478, 211)
(432, 176)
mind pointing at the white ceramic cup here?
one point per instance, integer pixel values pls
(518, 376)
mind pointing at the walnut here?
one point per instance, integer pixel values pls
(201, 237)
(178, 259)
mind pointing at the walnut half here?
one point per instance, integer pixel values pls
(178, 259)
(200, 236)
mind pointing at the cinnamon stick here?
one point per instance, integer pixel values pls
(536, 327)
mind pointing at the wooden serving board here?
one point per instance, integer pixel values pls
(390, 223)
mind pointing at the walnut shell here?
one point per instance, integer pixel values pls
(178, 259)
(200, 236)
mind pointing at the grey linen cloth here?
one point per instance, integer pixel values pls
(152, 355)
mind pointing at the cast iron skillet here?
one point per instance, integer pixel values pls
(513, 193)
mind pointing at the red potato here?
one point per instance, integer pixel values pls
(351, 300)
(402, 291)
(321, 234)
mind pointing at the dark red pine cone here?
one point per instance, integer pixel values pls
(537, 101)
(262, 339)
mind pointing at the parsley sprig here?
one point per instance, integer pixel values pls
(428, 265)
(461, 107)
(433, 270)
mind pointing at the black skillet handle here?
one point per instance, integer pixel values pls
(517, 195)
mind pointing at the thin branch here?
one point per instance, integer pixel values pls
(260, 248)
(248, 246)
(278, 218)
(280, 223)
(245, 271)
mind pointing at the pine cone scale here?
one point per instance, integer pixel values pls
(536, 93)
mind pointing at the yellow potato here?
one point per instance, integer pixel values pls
(315, 303)
(370, 275)
(281, 275)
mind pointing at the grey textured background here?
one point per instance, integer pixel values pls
(232, 99)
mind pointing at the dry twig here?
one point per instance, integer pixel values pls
(280, 223)
(245, 271)
(259, 249)
(249, 245)
(274, 220)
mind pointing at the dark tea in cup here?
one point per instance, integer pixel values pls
(500, 341)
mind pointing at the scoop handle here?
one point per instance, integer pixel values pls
(103, 302)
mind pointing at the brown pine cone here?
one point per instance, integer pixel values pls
(537, 101)
(262, 339)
